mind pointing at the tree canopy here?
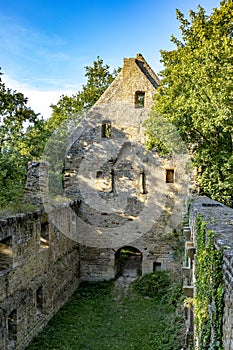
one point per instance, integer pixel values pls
(15, 118)
(196, 95)
(24, 134)
(98, 80)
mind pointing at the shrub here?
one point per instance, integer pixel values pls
(154, 284)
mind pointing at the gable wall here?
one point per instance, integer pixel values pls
(128, 81)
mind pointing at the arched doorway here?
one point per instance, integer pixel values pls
(128, 262)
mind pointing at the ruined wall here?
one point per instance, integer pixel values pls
(39, 271)
(219, 219)
(128, 195)
(116, 195)
(136, 75)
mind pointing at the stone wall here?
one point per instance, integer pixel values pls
(219, 219)
(116, 195)
(128, 196)
(136, 76)
(124, 193)
(42, 274)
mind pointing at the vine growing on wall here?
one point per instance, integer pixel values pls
(209, 289)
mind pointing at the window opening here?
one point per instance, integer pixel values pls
(106, 129)
(39, 300)
(44, 235)
(156, 266)
(113, 188)
(99, 174)
(6, 254)
(139, 99)
(12, 329)
(143, 182)
(169, 175)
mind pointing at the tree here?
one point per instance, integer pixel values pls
(98, 80)
(15, 116)
(196, 95)
(66, 117)
(67, 114)
(23, 135)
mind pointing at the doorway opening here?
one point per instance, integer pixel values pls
(128, 262)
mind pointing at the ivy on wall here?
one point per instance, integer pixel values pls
(209, 289)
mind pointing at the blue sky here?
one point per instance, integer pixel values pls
(45, 44)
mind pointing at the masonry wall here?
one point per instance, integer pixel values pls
(136, 75)
(39, 271)
(116, 194)
(125, 197)
(219, 218)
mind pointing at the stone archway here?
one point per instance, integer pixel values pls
(128, 262)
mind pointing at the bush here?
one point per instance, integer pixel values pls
(154, 284)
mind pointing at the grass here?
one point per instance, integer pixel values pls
(99, 318)
(17, 207)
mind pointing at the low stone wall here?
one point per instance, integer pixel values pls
(39, 271)
(219, 219)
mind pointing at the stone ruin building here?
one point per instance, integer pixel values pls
(116, 195)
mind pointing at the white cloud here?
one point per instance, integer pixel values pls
(38, 100)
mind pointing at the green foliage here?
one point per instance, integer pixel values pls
(209, 289)
(163, 136)
(17, 207)
(24, 136)
(154, 284)
(54, 153)
(66, 117)
(12, 176)
(15, 116)
(196, 96)
(98, 80)
(96, 318)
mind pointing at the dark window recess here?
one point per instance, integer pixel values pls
(143, 182)
(139, 99)
(169, 176)
(39, 300)
(113, 185)
(12, 329)
(106, 129)
(6, 254)
(44, 235)
(156, 266)
(99, 174)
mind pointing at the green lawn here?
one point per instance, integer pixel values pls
(99, 318)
